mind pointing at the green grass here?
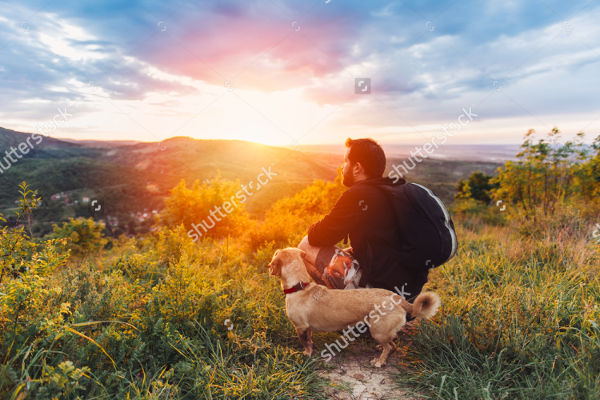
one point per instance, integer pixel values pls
(519, 321)
(148, 320)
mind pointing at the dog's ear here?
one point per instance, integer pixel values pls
(275, 267)
(275, 264)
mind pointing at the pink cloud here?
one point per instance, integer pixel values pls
(264, 55)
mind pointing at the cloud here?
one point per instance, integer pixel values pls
(42, 59)
(425, 59)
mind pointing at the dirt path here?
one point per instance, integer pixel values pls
(353, 378)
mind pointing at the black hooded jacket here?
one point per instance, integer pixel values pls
(365, 214)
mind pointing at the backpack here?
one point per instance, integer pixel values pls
(425, 229)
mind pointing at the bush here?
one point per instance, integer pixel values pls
(473, 213)
(548, 175)
(286, 222)
(216, 209)
(477, 187)
(83, 236)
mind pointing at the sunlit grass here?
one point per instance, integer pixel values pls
(161, 317)
(519, 321)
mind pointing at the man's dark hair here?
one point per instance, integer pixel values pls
(369, 154)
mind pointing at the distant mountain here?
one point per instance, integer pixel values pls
(464, 152)
(100, 143)
(458, 152)
(10, 138)
(131, 178)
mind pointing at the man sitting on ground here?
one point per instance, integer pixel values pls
(379, 256)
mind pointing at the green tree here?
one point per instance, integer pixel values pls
(28, 202)
(477, 186)
(548, 173)
(587, 174)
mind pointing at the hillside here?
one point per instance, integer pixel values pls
(9, 138)
(128, 180)
(135, 178)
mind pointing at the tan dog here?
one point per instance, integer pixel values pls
(313, 307)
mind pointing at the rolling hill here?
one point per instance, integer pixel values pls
(126, 180)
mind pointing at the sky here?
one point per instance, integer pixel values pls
(300, 72)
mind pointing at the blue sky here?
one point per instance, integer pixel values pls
(284, 72)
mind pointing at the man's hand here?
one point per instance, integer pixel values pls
(327, 281)
(331, 271)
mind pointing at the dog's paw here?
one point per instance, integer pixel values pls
(308, 352)
(377, 363)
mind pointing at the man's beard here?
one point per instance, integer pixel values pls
(347, 179)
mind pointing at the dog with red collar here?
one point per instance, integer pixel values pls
(312, 307)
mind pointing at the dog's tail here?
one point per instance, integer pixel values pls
(425, 305)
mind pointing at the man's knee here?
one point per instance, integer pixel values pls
(311, 251)
(304, 244)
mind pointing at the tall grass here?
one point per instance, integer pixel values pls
(151, 319)
(162, 317)
(520, 320)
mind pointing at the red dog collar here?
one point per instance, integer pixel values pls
(296, 288)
